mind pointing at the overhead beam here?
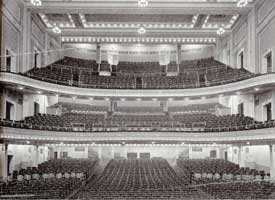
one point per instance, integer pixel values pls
(114, 7)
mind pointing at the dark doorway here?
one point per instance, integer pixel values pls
(55, 155)
(226, 155)
(241, 109)
(131, 155)
(36, 108)
(9, 109)
(268, 108)
(269, 62)
(8, 164)
(145, 155)
(8, 61)
(213, 154)
(241, 60)
(139, 83)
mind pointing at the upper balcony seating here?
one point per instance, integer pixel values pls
(199, 108)
(138, 68)
(76, 107)
(192, 74)
(147, 109)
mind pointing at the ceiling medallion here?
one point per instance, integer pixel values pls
(220, 31)
(36, 2)
(141, 30)
(56, 29)
(143, 3)
(242, 3)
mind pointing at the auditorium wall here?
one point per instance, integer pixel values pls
(255, 157)
(261, 100)
(171, 153)
(16, 100)
(254, 35)
(265, 33)
(25, 33)
(24, 156)
(234, 101)
(138, 52)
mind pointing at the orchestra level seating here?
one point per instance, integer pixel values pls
(53, 179)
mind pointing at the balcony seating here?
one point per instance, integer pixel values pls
(198, 108)
(138, 179)
(192, 74)
(76, 107)
(147, 109)
(98, 121)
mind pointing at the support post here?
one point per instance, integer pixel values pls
(271, 160)
(3, 161)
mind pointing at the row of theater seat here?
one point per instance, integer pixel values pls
(138, 179)
(203, 122)
(84, 73)
(59, 166)
(53, 179)
(202, 171)
(240, 190)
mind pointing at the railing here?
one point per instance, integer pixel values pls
(144, 85)
(136, 126)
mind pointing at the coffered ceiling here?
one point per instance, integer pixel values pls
(123, 18)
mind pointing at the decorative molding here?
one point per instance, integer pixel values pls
(258, 135)
(157, 40)
(230, 88)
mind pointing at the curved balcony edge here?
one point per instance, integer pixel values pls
(257, 136)
(17, 79)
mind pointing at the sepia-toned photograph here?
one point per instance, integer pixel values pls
(137, 99)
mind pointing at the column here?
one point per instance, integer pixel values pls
(240, 156)
(251, 42)
(3, 161)
(1, 28)
(98, 53)
(99, 153)
(164, 106)
(46, 61)
(36, 156)
(178, 57)
(113, 106)
(26, 41)
(271, 160)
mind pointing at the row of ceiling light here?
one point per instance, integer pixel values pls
(144, 3)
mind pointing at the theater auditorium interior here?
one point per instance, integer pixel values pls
(137, 99)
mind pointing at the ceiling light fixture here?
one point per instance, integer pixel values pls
(220, 31)
(36, 2)
(141, 30)
(143, 3)
(242, 3)
(56, 29)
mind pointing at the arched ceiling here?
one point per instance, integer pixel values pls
(171, 19)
